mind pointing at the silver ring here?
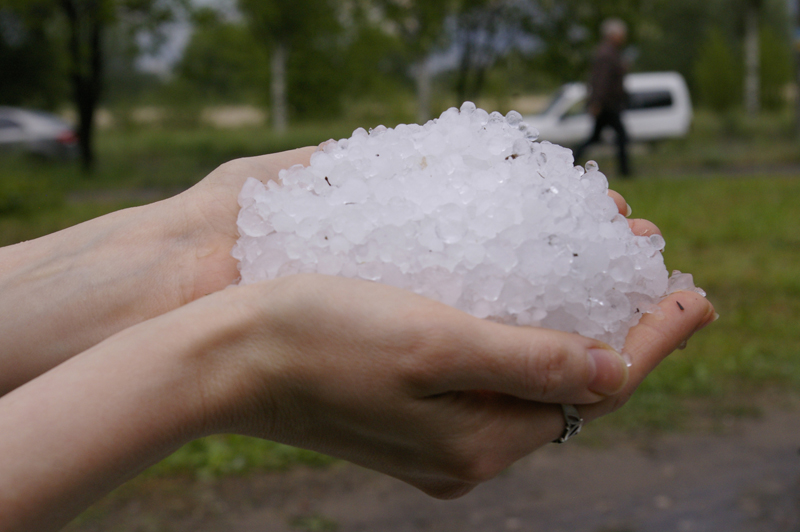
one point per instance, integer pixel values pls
(573, 422)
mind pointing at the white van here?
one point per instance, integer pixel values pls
(659, 107)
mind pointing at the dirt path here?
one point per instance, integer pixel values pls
(745, 480)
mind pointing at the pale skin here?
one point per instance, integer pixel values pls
(111, 358)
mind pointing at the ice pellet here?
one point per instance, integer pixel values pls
(467, 209)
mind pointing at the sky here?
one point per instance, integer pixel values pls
(178, 34)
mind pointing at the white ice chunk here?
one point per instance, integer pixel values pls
(467, 209)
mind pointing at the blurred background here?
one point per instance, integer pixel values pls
(106, 104)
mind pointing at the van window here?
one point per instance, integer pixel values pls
(555, 100)
(649, 99)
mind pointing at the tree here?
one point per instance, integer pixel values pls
(776, 68)
(568, 31)
(717, 73)
(32, 67)
(222, 61)
(752, 57)
(487, 30)
(299, 36)
(419, 24)
(79, 28)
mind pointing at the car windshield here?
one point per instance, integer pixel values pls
(554, 101)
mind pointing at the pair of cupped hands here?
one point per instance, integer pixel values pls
(396, 382)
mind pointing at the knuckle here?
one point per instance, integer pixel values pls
(545, 371)
(427, 349)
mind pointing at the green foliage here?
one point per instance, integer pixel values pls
(670, 37)
(570, 30)
(309, 30)
(419, 23)
(222, 62)
(777, 68)
(669, 34)
(32, 66)
(717, 74)
(25, 194)
(231, 454)
(313, 523)
(80, 30)
(318, 77)
(375, 62)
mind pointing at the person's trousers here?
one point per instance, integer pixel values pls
(613, 120)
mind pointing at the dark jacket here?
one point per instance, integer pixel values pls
(605, 84)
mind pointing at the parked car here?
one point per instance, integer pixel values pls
(36, 132)
(659, 107)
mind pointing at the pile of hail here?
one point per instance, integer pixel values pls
(467, 209)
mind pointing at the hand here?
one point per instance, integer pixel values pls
(411, 387)
(65, 292)
(211, 208)
(373, 370)
(639, 226)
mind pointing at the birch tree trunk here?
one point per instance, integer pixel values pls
(278, 87)
(752, 56)
(422, 74)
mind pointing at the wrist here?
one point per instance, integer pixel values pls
(227, 342)
(65, 292)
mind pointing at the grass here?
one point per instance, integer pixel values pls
(737, 236)
(729, 144)
(736, 233)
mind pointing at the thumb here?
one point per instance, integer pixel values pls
(530, 363)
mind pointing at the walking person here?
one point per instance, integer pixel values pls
(607, 97)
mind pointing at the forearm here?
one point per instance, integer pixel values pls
(75, 433)
(65, 292)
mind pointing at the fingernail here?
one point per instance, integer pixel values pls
(610, 371)
(629, 211)
(710, 318)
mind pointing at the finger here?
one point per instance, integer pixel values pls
(529, 363)
(267, 167)
(264, 167)
(622, 205)
(661, 332)
(643, 227)
(655, 336)
(324, 143)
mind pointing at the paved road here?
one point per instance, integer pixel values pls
(747, 480)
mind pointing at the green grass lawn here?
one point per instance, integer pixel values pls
(738, 237)
(737, 234)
